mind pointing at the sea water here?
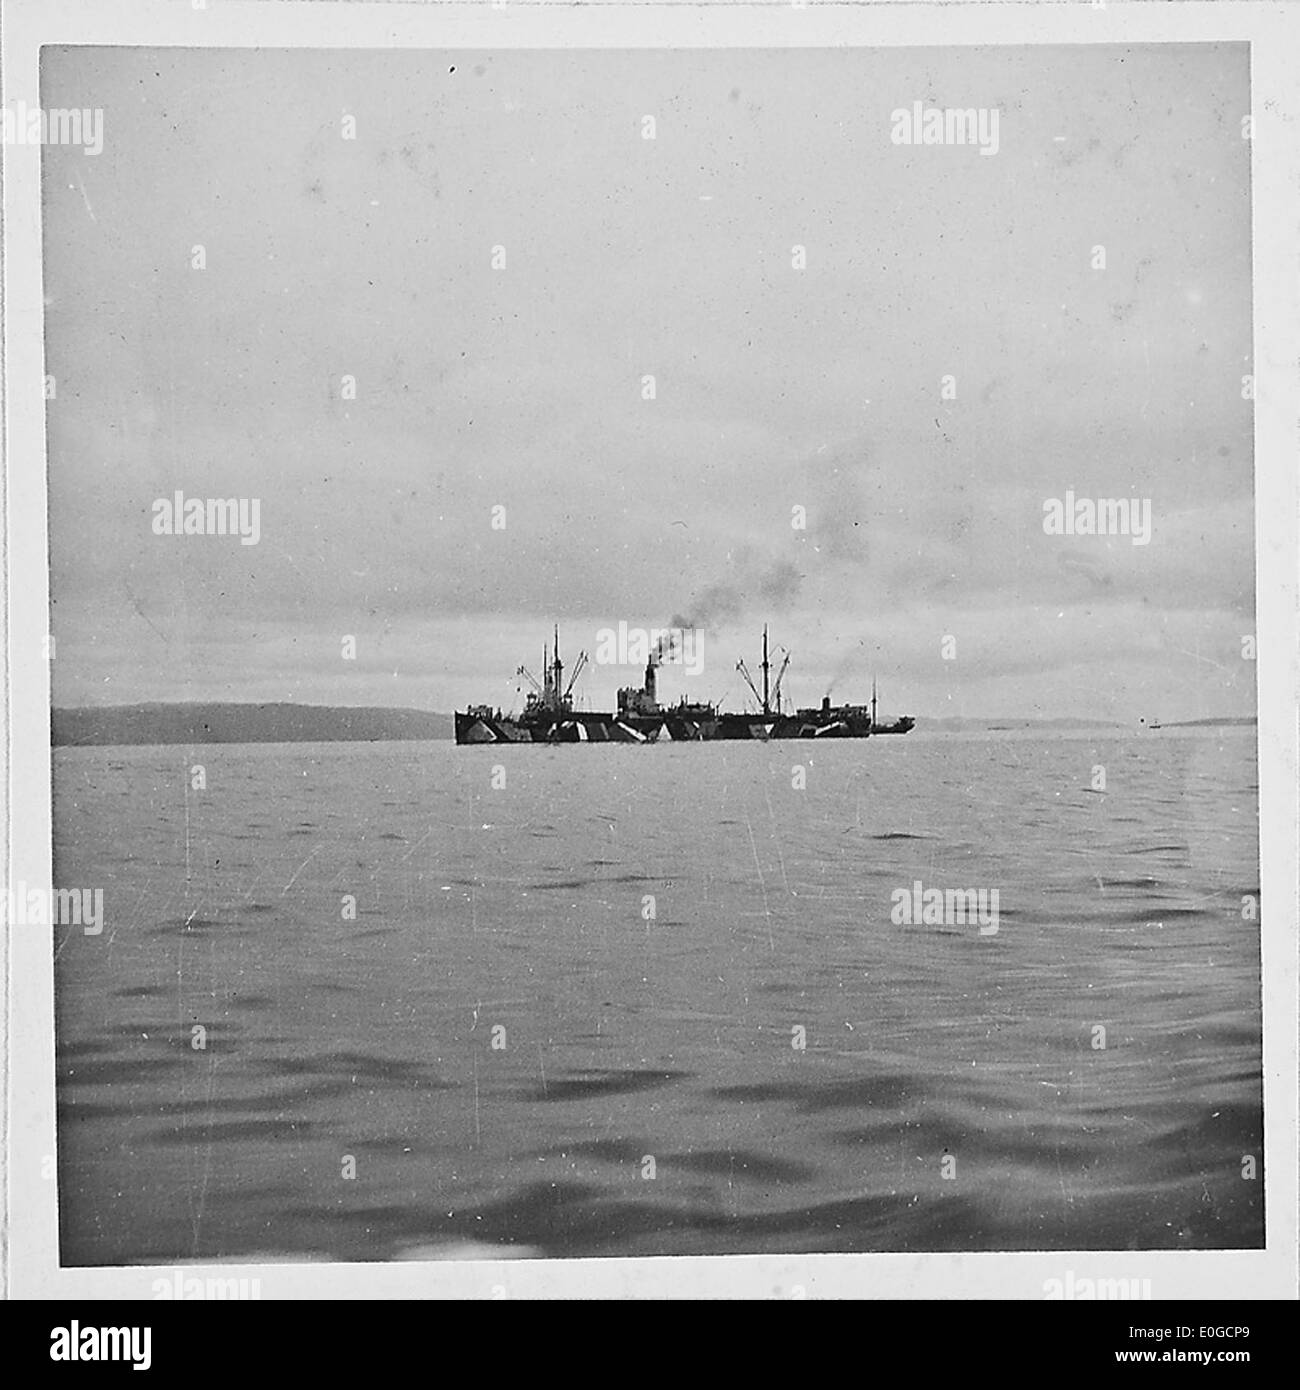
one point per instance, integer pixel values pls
(354, 1001)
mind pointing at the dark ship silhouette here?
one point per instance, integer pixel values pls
(549, 716)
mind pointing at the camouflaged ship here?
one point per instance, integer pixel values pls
(549, 715)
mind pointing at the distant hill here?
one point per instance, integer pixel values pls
(1244, 723)
(956, 725)
(244, 723)
(966, 725)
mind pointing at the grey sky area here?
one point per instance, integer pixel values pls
(626, 257)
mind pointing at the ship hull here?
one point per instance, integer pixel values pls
(568, 728)
(667, 727)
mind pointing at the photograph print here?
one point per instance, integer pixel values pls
(653, 651)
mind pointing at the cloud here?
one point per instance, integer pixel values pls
(522, 387)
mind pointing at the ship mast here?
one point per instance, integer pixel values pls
(767, 708)
(873, 704)
(557, 679)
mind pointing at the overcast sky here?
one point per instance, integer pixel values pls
(625, 258)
